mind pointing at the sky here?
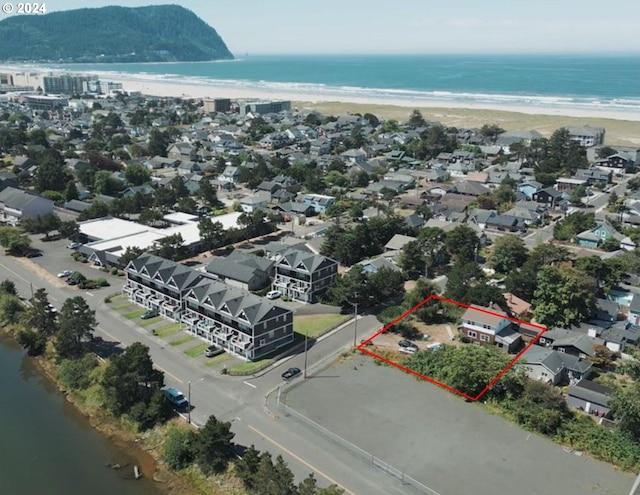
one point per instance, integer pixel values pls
(411, 26)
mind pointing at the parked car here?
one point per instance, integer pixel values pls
(290, 373)
(64, 273)
(366, 342)
(74, 245)
(152, 313)
(33, 254)
(273, 294)
(408, 350)
(406, 344)
(213, 350)
(176, 397)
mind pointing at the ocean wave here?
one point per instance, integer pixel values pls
(314, 90)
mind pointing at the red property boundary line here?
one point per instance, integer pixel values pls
(362, 345)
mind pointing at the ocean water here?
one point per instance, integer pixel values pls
(611, 82)
(47, 446)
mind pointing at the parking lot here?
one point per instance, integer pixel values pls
(452, 446)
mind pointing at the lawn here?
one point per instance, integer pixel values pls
(181, 340)
(218, 359)
(150, 321)
(168, 330)
(250, 367)
(122, 306)
(135, 314)
(314, 325)
(119, 297)
(197, 350)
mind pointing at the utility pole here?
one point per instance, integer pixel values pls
(306, 337)
(189, 401)
(355, 324)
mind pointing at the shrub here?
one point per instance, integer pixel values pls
(114, 271)
(75, 374)
(179, 448)
(104, 269)
(102, 282)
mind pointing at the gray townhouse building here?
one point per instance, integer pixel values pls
(16, 204)
(241, 323)
(303, 276)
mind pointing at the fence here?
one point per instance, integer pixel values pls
(363, 455)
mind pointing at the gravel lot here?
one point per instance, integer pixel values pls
(452, 446)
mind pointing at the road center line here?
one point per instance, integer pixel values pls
(167, 373)
(89, 294)
(300, 460)
(250, 384)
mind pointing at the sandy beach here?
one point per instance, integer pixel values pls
(623, 128)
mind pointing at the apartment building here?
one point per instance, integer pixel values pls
(303, 276)
(242, 323)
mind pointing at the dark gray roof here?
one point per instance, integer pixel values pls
(294, 258)
(240, 266)
(555, 361)
(17, 198)
(591, 392)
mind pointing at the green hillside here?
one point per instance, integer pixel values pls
(162, 33)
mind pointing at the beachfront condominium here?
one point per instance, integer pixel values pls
(240, 322)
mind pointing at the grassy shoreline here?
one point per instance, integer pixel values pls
(619, 132)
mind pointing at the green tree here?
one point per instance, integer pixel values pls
(69, 229)
(462, 243)
(491, 131)
(541, 408)
(179, 448)
(508, 253)
(130, 378)
(137, 174)
(14, 241)
(170, 247)
(207, 193)
(98, 209)
(8, 287)
(247, 467)
(77, 322)
(212, 233)
(214, 446)
(104, 183)
(39, 315)
(179, 188)
(416, 119)
(460, 280)
(71, 191)
(572, 225)
(625, 407)
(158, 142)
(605, 152)
(130, 254)
(50, 175)
(11, 308)
(41, 224)
(563, 296)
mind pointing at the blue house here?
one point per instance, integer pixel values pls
(604, 231)
(529, 187)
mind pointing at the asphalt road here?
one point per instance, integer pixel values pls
(240, 400)
(451, 446)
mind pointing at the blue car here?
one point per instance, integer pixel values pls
(176, 397)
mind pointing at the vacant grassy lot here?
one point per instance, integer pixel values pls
(315, 325)
(218, 359)
(150, 321)
(168, 330)
(197, 350)
(135, 314)
(122, 305)
(119, 297)
(181, 340)
(248, 368)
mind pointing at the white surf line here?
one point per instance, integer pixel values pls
(250, 384)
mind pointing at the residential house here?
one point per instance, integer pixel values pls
(246, 271)
(553, 367)
(16, 204)
(524, 215)
(505, 223)
(569, 184)
(590, 397)
(144, 189)
(603, 231)
(374, 265)
(319, 202)
(618, 162)
(594, 176)
(575, 343)
(8, 179)
(518, 307)
(488, 326)
(303, 276)
(550, 197)
(294, 208)
(76, 205)
(239, 322)
(470, 189)
(319, 147)
(587, 136)
(354, 156)
(633, 316)
(182, 152)
(397, 242)
(230, 175)
(249, 204)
